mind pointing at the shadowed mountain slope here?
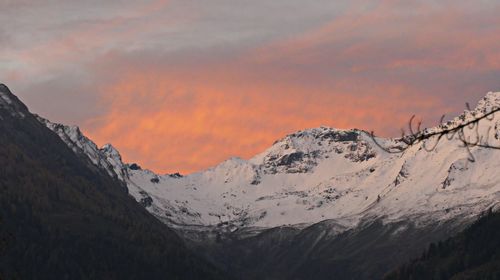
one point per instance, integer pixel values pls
(472, 254)
(63, 218)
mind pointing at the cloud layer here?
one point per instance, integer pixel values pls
(183, 85)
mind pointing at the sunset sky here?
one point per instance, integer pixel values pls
(182, 85)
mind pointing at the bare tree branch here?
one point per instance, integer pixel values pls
(417, 136)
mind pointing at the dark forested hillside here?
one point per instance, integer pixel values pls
(472, 254)
(366, 252)
(62, 218)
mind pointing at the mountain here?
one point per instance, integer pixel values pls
(322, 201)
(319, 174)
(472, 254)
(63, 217)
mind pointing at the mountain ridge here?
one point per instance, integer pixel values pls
(319, 202)
(63, 217)
(305, 171)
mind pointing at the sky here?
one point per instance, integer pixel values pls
(181, 85)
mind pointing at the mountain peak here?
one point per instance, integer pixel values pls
(324, 132)
(107, 157)
(300, 152)
(488, 103)
(110, 150)
(3, 88)
(10, 103)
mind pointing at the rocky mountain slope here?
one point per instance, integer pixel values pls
(61, 217)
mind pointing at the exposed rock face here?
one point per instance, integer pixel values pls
(300, 152)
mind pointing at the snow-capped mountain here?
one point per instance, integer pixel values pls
(318, 202)
(322, 174)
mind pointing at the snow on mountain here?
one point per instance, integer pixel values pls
(107, 157)
(320, 174)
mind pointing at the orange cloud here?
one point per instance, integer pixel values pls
(370, 67)
(170, 121)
